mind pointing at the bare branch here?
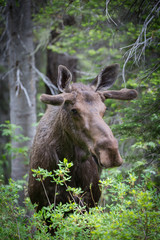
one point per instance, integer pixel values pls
(47, 81)
(45, 193)
(138, 48)
(150, 71)
(6, 74)
(108, 15)
(22, 43)
(20, 86)
(3, 34)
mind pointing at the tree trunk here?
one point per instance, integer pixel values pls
(54, 60)
(4, 115)
(21, 78)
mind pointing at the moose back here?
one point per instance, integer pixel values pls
(73, 128)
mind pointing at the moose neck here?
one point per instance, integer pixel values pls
(66, 147)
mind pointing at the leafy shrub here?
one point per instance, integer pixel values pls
(13, 218)
(10, 130)
(131, 210)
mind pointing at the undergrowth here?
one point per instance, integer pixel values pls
(131, 210)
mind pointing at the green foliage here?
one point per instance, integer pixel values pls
(141, 122)
(13, 218)
(84, 28)
(131, 210)
(3, 3)
(59, 176)
(10, 130)
(88, 36)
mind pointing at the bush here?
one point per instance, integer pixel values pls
(13, 219)
(130, 211)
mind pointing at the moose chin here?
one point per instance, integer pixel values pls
(73, 128)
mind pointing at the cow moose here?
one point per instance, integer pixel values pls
(73, 128)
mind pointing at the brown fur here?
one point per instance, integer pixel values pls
(74, 128)
(53, 142)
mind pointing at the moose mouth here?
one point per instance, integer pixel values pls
(96, 160)
(114, 163)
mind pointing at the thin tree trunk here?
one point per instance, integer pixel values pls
(21, 78)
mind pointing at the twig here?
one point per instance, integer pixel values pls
(45, 193)
(3, 34)
(150, 71)
(9, 71)
(47, 81)
(73, 198)
(18, 230)
(55, 196)
(22, 43)
(141, 42)
(20, 86)
(108, 15)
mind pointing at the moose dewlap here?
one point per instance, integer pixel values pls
(73, 128)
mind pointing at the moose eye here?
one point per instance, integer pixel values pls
(74, 111)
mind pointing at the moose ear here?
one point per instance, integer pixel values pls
(64, 78)
(106, 78)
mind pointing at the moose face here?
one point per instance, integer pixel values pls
(82, 110)
(87, 129)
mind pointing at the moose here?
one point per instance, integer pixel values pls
(73, 128)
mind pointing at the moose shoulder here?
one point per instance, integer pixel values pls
(73, 128)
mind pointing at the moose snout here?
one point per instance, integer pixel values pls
(108, 156)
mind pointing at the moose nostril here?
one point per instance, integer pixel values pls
(115, 156)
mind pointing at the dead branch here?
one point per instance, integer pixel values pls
(107, 13)
(138, 48)
(47, 81)
(20, 86)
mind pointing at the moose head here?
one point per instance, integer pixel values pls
(81, 114)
